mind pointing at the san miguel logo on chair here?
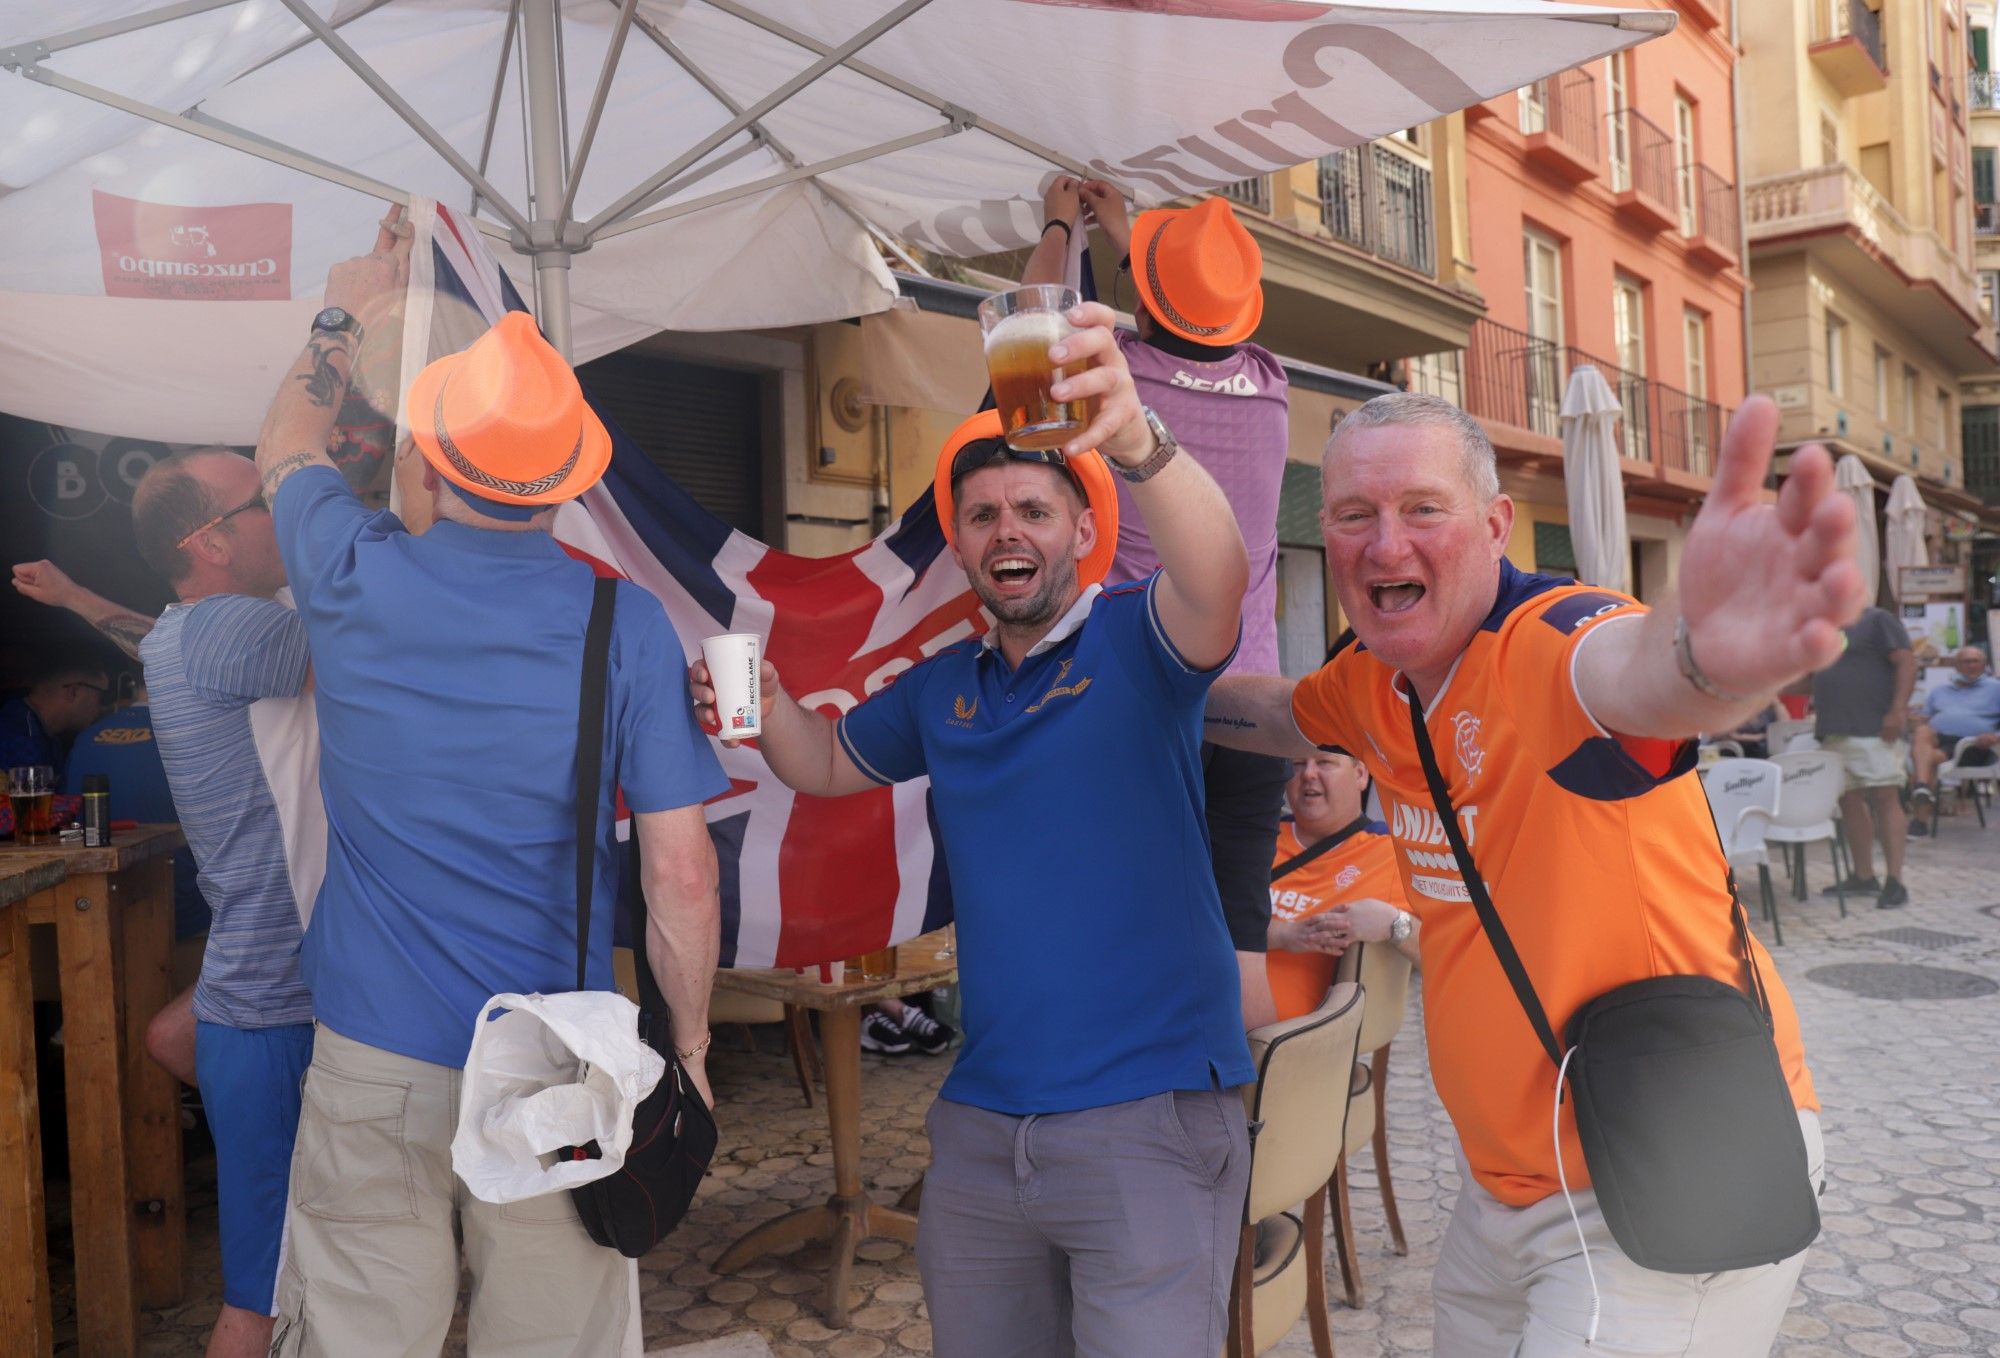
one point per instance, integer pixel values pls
(235, 252)
(1060, 689)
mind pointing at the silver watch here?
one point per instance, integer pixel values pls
(1401, 927)
(1162, 455)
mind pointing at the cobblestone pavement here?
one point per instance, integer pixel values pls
(1909, 1262)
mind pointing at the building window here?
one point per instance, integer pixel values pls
(1881, 384)
(1555, 550)
(1694, 339)
(1989, 290)
(1829, 139)
(1684, 160)
(1628, 326)
(1542, 266)
(1836, 355)
(1621, 134)
(1943, 420)
(1534, 108)
(1909, 400)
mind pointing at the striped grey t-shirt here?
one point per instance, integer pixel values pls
(207, 665)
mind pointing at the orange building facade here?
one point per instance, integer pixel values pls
(1605, 228)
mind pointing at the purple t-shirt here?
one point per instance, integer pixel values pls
(1232, 415)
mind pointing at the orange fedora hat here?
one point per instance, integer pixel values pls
(506, 419)
(1199, 272)
(1100, 492)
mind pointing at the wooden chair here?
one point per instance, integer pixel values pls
(1384, 977)
(1301, 1090)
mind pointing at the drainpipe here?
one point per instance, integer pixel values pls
(1742, 185)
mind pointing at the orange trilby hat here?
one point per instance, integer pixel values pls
(505, 419)
(1100, 492)
(1199, 272)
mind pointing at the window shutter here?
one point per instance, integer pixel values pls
(703, 426)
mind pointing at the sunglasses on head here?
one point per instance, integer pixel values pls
(985, 452)
(254, 502)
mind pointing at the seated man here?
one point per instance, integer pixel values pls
(1966, 708)
(65, 694)
(1334, 883)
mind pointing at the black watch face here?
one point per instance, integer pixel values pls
(332, 318)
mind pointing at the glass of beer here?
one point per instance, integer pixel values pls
(879, 965)
(31, 790)
(1020, 326)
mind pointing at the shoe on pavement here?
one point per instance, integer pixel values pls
(1894, 897)
(1855, 886)
(1919, 827)
(879, 1033)
(925, 1033)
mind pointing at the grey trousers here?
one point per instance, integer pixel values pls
(1105, 1233)
(1510, 1283)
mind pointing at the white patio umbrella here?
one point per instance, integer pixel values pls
(1596, 486)
(177, 177)
(1903, 541)
(1852, 478)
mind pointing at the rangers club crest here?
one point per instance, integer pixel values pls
(1465, 739)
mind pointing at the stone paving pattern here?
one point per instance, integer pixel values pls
(1909, 1262)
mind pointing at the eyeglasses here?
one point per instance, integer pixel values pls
(254, 502)
(104, 693)
(984, 452)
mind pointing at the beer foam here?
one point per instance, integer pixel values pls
(1030, 327)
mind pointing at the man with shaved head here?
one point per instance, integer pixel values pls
(1561, 719)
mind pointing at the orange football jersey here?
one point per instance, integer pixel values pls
(1604, 866)
(1362, 867)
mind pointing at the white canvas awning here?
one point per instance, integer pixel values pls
(178, 177)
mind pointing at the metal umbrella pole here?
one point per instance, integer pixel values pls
(545, 243)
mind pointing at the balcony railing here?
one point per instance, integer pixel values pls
(1564, 108)
(1380, 201)
(1982, 90)
(1836, 20)
(1250, 192)
(1986, 219)
(1836, 196)
(1643, 158)
(1716, 219)
(1511, 377)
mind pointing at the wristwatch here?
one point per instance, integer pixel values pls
(336, 320)
(1401, 927)
(1162, 455)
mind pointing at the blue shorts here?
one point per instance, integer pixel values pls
(250, 1082)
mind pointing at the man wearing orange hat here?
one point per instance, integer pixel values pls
(446, 671)
(1198, 275)
(1088, 1152)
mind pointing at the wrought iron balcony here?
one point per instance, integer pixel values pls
(1380, 201)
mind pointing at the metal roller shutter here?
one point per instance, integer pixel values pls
(702, 426)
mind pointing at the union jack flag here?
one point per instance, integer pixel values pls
(804, 879)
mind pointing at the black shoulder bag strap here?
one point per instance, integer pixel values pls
(1475, 886)
(1324, 846)
(590, 758)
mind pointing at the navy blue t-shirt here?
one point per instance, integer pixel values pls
(1093, 958)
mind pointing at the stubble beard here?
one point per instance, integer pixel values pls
(1042, 607)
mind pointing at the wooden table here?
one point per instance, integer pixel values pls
(113, 915)
(850, 1216)
(25, 1323)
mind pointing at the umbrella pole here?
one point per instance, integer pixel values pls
(545, 164)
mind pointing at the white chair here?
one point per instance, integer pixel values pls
(1975, 782)
(1808, 805)
(1784, 734)
(1743, 795)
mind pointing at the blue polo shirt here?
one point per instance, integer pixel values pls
(446, 670)
(1093, 959)
(1957, 710)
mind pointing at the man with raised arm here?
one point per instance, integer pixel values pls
(1562, 717)
(1089, 1152)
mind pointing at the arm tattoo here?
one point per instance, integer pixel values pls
(362, 440)
(126, 630)
(325, 384)
(284, 467)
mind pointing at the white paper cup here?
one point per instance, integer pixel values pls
(732, 672)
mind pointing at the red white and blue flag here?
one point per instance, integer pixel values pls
(804, 879)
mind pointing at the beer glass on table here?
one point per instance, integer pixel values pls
(1019, 327)
(31, 792)
(879, 965)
